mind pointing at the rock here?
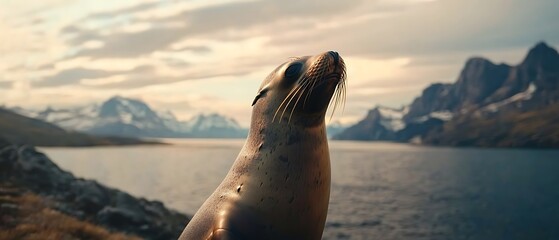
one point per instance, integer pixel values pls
(479, 79)
(436, 97)
(370, 128)
(418, 130)
(91, 197)
(120, 218)
(26, 168)
(9, 207)
(9, 192)
(8, 155)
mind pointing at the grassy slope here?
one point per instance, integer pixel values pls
(23, 130)
(28, 216)
(533, 129)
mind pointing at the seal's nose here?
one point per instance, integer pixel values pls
(336, 57)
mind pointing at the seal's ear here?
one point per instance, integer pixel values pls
(260, 94)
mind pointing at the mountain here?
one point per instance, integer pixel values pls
(24, 130)
(127, 117)
(214, 126)
(484, 94)
(334, 128)
(536, 128)
(381, 123)
(119, 116)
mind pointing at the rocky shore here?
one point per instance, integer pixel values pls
(26, 172)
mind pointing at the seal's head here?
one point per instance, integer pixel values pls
(300, 90)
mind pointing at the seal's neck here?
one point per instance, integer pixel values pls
(264, 126)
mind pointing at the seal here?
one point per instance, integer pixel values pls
(279, 185)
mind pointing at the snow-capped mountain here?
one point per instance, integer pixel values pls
(334, 128)
(392, 119)
(382, 122)
(485, 96)
(211, 121)
(121, 116)
(72, 119)
(517, 98)
(213, 125)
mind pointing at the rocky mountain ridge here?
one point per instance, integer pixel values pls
(482, 91)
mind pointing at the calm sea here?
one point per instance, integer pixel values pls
(379, 190)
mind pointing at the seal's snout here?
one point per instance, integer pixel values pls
(313, 83)
(335, 56)
(335, 63)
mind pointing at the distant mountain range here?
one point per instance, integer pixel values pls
(119, 116)
(490, 105)
(19, 129)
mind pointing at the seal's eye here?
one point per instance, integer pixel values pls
(292, 72)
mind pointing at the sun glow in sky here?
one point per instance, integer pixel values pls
(210, 56)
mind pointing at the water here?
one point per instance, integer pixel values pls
(379, 190)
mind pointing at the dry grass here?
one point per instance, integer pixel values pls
(28, 216)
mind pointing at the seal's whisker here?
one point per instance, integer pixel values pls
(285, 101)
(281, 104)
(289, 102)
(317, 66)
(297, 102)
(335, 99)
(306, 85)
(314, 80)
(305, 82)
(342, 96)
(344, 92)
(342, 85)
(339, 98)
(317, 77)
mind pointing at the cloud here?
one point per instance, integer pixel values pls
(71, 29)
(128, 10)
(72, 76)
(196, 49)
(374, 29)
(135, 44)
(440, 27)
(47, 66)
(176, 63)
(152, 48)
(5, 84)
(230, 18)
(135, 80)
(76, 75)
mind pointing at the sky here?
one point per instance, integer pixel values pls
(202, 56)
